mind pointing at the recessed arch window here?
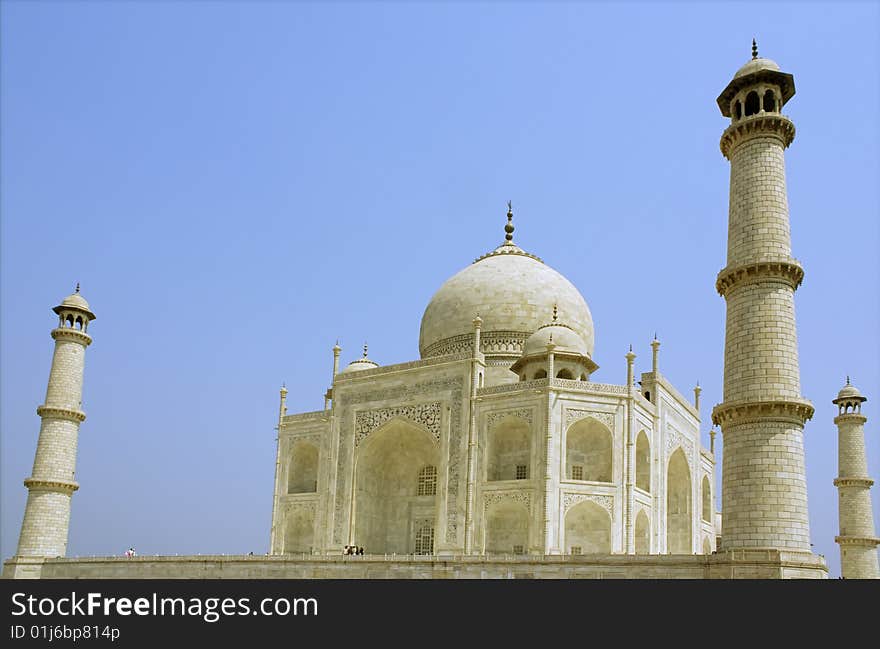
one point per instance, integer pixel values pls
(769, 102)
(428, 481)
(753, 103)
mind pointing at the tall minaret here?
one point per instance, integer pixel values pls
(47, 513)
(762, 416)
(857, 540)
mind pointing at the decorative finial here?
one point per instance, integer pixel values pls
(365, 350)
(555, 313)
(551, 339)
(509, 227)
(284, 386)
(754, 49)
(847, 379)
(630, 347)
(655, 335)
(77, 287)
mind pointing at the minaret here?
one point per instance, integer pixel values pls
(857, 540)
(47, 513)
(762, 416)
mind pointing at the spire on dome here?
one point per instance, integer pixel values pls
(509, 227)
(754, 49)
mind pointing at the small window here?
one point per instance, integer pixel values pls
(522, 471)
(425, 539)
(541, 374)
(576, 549)
(577, 472)
(648, 396)
(564, 374)
(769, 102)
(428, 481)
(518, 549)
(739, 110)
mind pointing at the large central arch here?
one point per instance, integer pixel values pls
(389, 514)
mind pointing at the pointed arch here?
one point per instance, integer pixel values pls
(643, 462)
(588, 445)
(389, 514)
(587, 529)
(299, 531)
(707, 499)
(643, 533)
(302, 468)
(508, 449)
(678, 505)
(506, 528)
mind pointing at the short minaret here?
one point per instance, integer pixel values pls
(630, 359)
(655, 356)
(762, 415)
(52, 482)
(857, 540)
(697, 391)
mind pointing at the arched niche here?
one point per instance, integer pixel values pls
(707, 499)
(587, 529)
(389, 513)
(588, 451)
(508, 449)
(507, 528)
(678, 505)
(643, 462)
(302, 468)
(299, 531)
(642, 533)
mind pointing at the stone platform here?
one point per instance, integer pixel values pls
(735, 564)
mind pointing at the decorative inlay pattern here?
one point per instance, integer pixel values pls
(580, 386)
(491, 342)
(674, 439)
(569, 500)
(572, 415)
(426, 415)
(494, 417)
(305, 416)
(495, 497)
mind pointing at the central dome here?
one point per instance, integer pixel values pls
(513, 292)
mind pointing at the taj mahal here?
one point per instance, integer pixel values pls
(501, 453)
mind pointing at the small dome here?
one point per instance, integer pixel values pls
(565, 339)
(756, 65)
(360, 364)
(75, 300)
(849, 392)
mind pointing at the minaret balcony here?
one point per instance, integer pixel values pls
(762, 124)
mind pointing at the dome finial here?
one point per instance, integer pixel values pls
(509, 227)
(77, 288)
(847, 379)
(754, 49)
(555, 313)
(365, 349)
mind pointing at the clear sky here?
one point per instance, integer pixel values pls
(237, 185)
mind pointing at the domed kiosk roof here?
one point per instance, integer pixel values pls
(75, 301)
(360, 364)
(755, 65)
(849, 392)
(564, 338)
(512, 291)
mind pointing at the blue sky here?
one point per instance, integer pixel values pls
(237, 185)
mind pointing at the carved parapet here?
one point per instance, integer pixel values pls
(762, 124)
(850, 417)
(853, 482)
(69, 414)
(787, 271)
(65, 333)
(866, 541)
(791, 411)
(62, 486)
